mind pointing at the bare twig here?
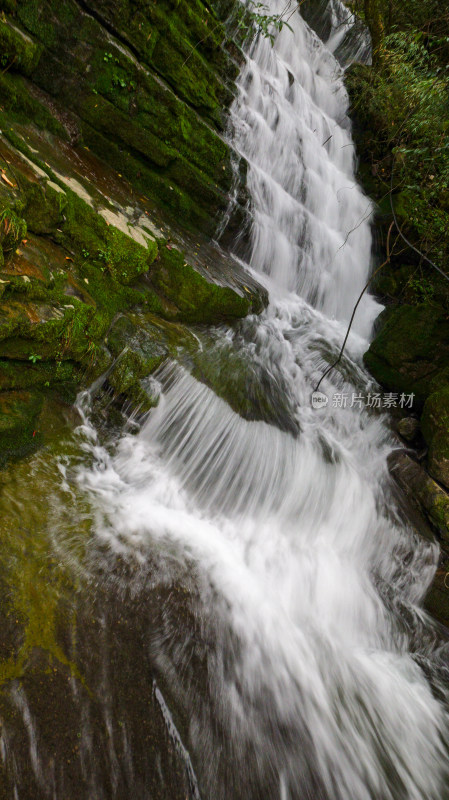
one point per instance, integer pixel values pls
(340, 355)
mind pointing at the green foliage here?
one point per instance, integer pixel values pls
(256, 17)
(422, 289)
(12, 229)
(402, 123)
(425, 17)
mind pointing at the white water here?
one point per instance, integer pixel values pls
(292, 540)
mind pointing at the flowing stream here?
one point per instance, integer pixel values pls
(287, 630)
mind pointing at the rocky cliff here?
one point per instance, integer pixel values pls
(115, 173)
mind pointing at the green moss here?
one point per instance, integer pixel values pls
(242, 380)
(19, 411)
(438, 511)
(411, 349)
(127, 259)
(181, 42)
(35, 587)
(197, 300)
(112, 249)
(35, 18)
(120, 127)
(83, 230)
(17, 49)
(171, 120)
(139, 351)
(110, 296)
(13, 229)
(21, 104)
(141, 342)
(435, 428)
(150, 131)
(143, 396)
(44, 206)
(20, 375)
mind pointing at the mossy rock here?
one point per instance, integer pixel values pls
(26, 375)
(17, 49)
(19, 411)
(198, 300)
(124, 380)
(148, 342)
(435, 427)
(423, 490)
(125, 252)
(141, 126)
(48, 330)
(132, 365)
(411, 349)
(37, 321)
(125, 373)
(17, 98)
(128, 259)
(45, 203)
(237, 375)
(437, 599)
(393, 280)
(139, 351)
(13, 229)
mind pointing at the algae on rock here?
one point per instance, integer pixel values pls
(435, 427)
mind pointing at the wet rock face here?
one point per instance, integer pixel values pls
(87, 242)
(146, 86)
(411, 354)
(352, 43)
(423, 491)
(77, 254)
(435, 426)
(408, 428)
(19, 411)
(411, 351)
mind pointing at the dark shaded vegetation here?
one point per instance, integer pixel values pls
(400, 108)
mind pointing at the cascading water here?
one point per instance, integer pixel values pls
(289, 642)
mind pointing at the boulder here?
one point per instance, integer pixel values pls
(410, 353)
(430, 498)
(435, 427)
(408, 428)
(19, 411)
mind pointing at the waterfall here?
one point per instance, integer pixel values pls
(290, 640)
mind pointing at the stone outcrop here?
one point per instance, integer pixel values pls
(411, 351)
(145, 86)
(114, 174)
(435, 427)
(422, 490)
